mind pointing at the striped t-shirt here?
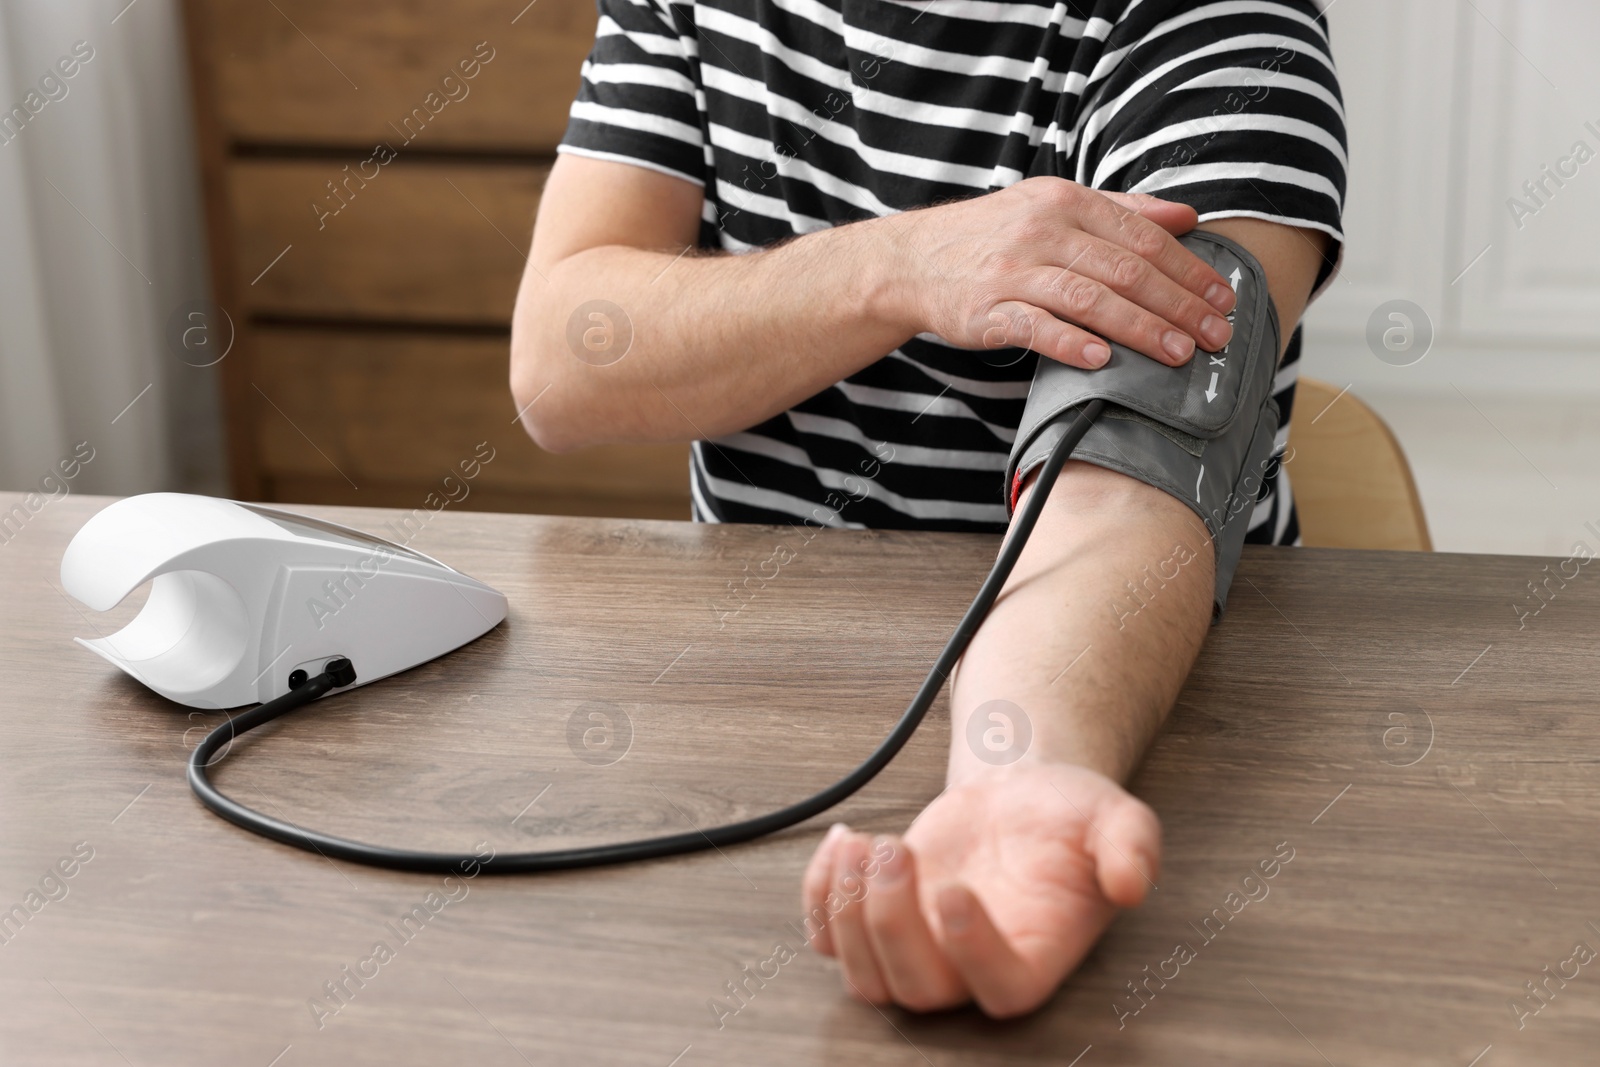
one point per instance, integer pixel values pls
(797, 115)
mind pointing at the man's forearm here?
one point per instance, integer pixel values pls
(719, 342)
(1097, 629)
(1095, 634)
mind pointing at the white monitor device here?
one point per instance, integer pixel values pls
(243, 596)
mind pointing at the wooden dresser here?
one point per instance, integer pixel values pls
(371, 170)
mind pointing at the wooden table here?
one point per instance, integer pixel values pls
(1431, 766)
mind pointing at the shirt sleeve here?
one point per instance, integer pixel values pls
(638, 102)
(1231, 107)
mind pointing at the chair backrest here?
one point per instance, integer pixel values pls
(1350, 480)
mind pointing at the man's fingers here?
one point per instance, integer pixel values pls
(1099, 215)
(1125, 841)
(850, 942)
(1015, 324)
(1177, 219)
(1120, 296)
(1139, 281)
(815, 885)
(1086, 302)
(912, 965)
(1002, 982)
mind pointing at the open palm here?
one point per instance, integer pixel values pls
(996, 892)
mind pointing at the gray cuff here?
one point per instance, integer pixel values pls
(1202, 432)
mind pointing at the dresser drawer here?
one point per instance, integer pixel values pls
(350, 72)
(339, 412)
(372, 169)
(417, 241)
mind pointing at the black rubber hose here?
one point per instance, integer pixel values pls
(341, 673)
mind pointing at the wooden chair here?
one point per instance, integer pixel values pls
(1349, 476)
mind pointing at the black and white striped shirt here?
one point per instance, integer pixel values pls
(797, 115)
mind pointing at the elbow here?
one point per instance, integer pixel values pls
(552, 403)
(532, 384)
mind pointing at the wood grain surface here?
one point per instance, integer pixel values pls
(373, 164)
(349, 73)
(428, 241)
(363, 410)
(1431, 767)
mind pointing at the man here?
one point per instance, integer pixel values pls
(828, 240)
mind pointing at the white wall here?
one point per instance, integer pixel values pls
(1452, 107)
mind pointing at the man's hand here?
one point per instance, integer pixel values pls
(994, 894)
(1052, 265)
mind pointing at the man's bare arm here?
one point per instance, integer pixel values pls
(723, 342)
(1100, 532)
(1006, 880)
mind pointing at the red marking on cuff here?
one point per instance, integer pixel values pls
(1016, 489)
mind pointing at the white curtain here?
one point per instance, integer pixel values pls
(100, 246)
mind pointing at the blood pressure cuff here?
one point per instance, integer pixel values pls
(1203, 431)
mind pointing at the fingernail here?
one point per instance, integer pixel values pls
(1178, 346)
(833, 833)
(1095, 354)
(1220, 297)
(1216, 331)
(893, 868)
